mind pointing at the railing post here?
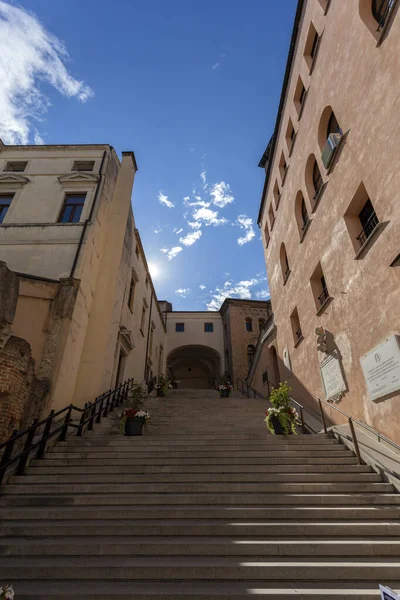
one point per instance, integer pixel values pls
(98, 420)
(92, 415)
(67, 419)
(7, 454)
(303, 426)
(322, 415)
(25, 452)
(355, 442)
(82, 421)
(46, 431)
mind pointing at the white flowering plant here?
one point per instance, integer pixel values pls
(223, 387)
(7, 592)
(281, 410)
(131, 413)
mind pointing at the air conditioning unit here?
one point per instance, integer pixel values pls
(330, 148)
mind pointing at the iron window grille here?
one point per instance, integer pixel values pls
(5, 202)
(249, 325)
(208, 327)
(299, 334)
(317, 181)
(72, 209)
(304, 215)
(381, 10)
(324, 294)
(368, 228)
(180, 327)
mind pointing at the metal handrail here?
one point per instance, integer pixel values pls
(351, 421)
(91, 413)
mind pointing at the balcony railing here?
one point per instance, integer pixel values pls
(323, 296)
(381, 11)
(368, 228)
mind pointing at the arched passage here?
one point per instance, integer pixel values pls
(195, 367)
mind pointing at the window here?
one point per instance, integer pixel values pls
(266, 235)
(300, 97)
(261, 323)
(330, 136)
(296, 328)
(265, 377)
(250, 354)
(249, 324)
(319, 289)
(179, 327)
(277, 195)
(137, 251)
(72, 209)
(152, 328)
(147, 281)
(333, 125)
(271, 216)
(283, 167)
(83, 165)
(208, 327)
(317, 179)
(314, 183)
(143, 319)
(362, 222)
(301, 214)
(131, 296)
(290, 136)
(16, 166)
(284, 263)
(381, 10)
(5, 202)
(324, 293)
(311, 47)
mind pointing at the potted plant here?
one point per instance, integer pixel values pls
(174, 383)
(137, 396)
(281, 418)
(133, 421)
(225, 390)
(160, 387)
(6, 592)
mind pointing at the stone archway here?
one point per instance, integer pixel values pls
(195, 367)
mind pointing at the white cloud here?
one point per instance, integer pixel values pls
(191, 238)
(245, 223)
(202, 287)
(38, 138)
(216, 65)
(208, 217)
(203, 177)
(194, 224)
(263, 294)
(178, 231)
(159, 228)
(241, 289)
(172, 252)
(182, 292)
(30, 55)
(163, 199)
(221, 194)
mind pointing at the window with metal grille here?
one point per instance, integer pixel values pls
(5, 202)
(72, 208)
(381, 10)
(208, 327)
(317, 179)
(179, 327)
(265, 376)
(369, 221)
(249, 324)
(16, 166)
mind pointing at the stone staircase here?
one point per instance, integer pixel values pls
(207, 505)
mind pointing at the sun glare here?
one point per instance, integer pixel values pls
(154, 270)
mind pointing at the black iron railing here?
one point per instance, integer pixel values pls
(299, 334)
(306, 220)
(371, 224)
(381, 10)
(323, 296)
(35, 437)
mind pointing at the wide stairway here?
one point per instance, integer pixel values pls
(207, 505)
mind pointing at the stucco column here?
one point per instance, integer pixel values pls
(94, 351)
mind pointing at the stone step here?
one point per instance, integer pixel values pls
(179, 438)
(64, 478)
(190, 440)
(198, 511)
(194, 487)
(139, 454)
(201, 527)
(197, 546)
(287, 499)
(56, 461)
(197, 568)
(150, 448)
(42, 468)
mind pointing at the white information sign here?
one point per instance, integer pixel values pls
(388, 594)
(332, 377)
(381, 368)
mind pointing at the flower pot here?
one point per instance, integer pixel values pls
(134, 426)
(225, 393)
(174, 386)
(278, 429)
(160, 393)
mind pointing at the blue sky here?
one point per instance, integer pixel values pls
(192, 88)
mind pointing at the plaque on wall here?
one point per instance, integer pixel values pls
(381, 368)
(332, 377)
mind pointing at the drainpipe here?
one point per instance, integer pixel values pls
(148, 336)
(78, 250)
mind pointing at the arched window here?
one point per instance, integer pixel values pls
(301, 213)
(375, 14)
(250, 354)
(333, 125)
(249, 324)
(261, 323)
(284, 263)
(317, 179)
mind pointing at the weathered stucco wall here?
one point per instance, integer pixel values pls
(359, 80)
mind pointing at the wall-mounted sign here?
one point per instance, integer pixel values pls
(388, 594)
(332, 377)
(381, 368)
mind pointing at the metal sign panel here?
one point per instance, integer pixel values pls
(381, 368)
